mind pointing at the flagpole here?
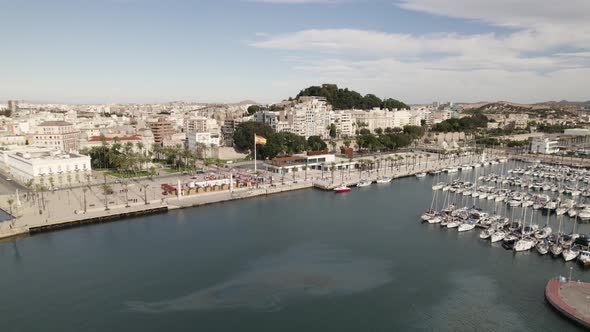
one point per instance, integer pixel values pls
(255, 153)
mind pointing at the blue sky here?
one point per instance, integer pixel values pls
(229, 50)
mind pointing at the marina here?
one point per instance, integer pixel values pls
(335, 256)
(498, 202)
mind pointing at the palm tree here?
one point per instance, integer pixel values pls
(41, 188)
(361, 165)
(332, 169)
(333, 144)
(140, 147)
(126, 184)
(145, 186)
(84, 190)
(157, 149)
(282, 170)
(305, 167)
(10, 201)
(377, 161)
(294, 170)
(106, 191)
(51, 182)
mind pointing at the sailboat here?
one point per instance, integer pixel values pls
(526, 242)
(556, 248)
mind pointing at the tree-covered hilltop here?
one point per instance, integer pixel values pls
(342, 99)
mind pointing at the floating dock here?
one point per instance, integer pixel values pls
(570, 298)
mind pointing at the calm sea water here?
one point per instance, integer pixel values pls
(300, 261)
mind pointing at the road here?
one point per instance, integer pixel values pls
(9, 187)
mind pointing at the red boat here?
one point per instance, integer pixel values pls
(341, 189)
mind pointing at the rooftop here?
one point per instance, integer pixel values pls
(54, 123)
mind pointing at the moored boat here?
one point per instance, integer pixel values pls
(341, 189)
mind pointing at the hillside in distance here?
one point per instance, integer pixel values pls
(342, 99)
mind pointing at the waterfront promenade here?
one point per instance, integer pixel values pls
(66, 206)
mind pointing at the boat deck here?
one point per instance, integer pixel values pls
(571, 298)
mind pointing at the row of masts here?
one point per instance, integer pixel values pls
(455, 206)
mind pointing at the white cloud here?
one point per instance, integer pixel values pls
(527, 63)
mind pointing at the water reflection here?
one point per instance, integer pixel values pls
(268, 283)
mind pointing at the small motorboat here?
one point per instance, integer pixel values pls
(363, 183)
(384, 179)
(420, 175)
(341, 189)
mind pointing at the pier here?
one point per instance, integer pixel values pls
(570, 298)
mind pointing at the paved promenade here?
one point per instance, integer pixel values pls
(88, 202)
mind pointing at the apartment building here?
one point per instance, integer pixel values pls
(162, 129)
(60, 135)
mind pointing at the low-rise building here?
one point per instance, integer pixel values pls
(544, 145)
(193, 139)
(45, 166)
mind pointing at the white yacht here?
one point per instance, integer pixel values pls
(570, 253)
(384, 179)
(498, 236)
(464, 227)
(524, 244)
(364, 183)
(487, 233)
(453, 224)
(438, 186)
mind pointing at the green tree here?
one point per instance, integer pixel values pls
(315, 143)
(253, 109)
(244, 134)
(392, 104)
(333, 132)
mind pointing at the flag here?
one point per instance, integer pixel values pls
(259, 140)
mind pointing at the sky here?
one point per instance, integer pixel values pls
(418, 51)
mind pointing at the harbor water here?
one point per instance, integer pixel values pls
(301, 261)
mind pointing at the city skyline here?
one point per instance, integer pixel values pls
(132, 51)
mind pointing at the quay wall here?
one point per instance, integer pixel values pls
(157, 206)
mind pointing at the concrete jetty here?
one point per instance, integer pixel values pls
(570, 298)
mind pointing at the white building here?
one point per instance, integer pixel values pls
(544, 145)
(13, 140)
(310, 117)
(343, 122)
(45, 166)
(202, 138)
(577, 132)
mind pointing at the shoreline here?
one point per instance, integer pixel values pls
(116, 213)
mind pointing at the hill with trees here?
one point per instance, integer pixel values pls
(342, 99)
